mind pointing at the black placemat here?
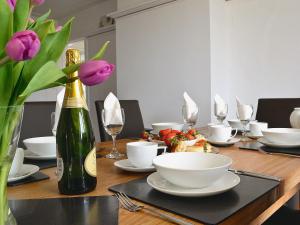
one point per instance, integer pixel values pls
(257, 145)
(43, 164)
(33, 178)
(100, 210)
(207, 210)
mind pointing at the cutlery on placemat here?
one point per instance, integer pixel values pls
(277, 153)
(253, 174)
(127, 203)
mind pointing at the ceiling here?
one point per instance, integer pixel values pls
(63, 8)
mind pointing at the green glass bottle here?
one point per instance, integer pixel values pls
(75, 141)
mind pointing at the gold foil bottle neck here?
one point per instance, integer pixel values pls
(72, 56)
(74, 95)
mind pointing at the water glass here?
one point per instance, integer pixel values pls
(113, 129)
(189, 120)
(244, 114)
(221, 112)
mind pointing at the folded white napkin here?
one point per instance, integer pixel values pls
(59, 103)
(113, 113)
(190, 107)
(244, 111)
(221, 105)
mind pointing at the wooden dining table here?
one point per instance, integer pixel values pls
(285, 167)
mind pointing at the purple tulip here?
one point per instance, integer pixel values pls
(37, 2)
(23, 45)
(11, 4)
(95, 72)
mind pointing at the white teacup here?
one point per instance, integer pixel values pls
(257, 127)
(17, 162)
(141, 154)
(221, 133)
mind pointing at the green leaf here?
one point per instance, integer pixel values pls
(43, 29)
(5, 18)
(47, 74)
(42, 18)
(51, 48)
(21, 14)
(17, 70)
(6, 83)
(101, 52)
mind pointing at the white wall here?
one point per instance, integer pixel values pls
(124, 4)
(161, 53)
(255, 49)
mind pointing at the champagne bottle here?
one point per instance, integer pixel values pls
(76, 153)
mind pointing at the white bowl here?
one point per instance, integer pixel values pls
(282, 135)
(235, 123)
(41, 145)
(192, 169)
(162, 126)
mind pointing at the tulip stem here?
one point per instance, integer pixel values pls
(4, 60)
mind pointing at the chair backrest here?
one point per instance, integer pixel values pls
(276, 111)
(36, 120)
(133, 126)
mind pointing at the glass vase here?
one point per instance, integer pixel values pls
(10, 125)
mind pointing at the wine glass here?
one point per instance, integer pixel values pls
(244, 114)
(221, 112)
(190, 120)
(113, 129)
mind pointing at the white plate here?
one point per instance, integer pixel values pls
(25, 171)
(253, 136)
(31, 155)
(126, 165)
(227, 182)
(232, 141)
(276, 145)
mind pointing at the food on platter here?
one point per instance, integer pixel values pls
(178, 141)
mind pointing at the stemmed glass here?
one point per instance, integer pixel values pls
(113, 129)
(244, 114)
(221, 112)
(190, 120)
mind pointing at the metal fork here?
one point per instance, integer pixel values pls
(278, 153)
(128, 204)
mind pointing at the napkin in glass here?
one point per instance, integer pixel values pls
(112, 110)
(244, 111)
(58, 106)
(190, 107)
(220, 105)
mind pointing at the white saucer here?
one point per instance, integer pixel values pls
(276, 145)
(231, 141)
(31, 155)
(25, 171)
(253, 136)
(227, 182)
(126, 165)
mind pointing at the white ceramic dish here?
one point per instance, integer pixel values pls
(236, 124)
(41, 145)
(253, 136)
(28, 154)
(162, 126)
(227, 182)
(127, 166)
(276, 145)
(25, 171)
(230, 142)
(192, 169)
(289, 136)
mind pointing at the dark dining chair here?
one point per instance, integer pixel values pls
(276, 111)
(134, 124)
(36, 120)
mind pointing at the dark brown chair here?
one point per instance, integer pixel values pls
(133, 126)
(36, 120)
(276, 111)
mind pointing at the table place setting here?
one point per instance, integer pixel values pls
(21, 173)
